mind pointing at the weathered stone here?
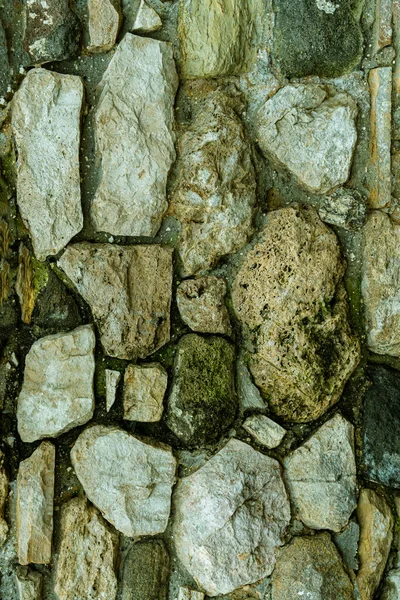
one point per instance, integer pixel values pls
(289, 298)
(46, 128)
(201, 303)
(146, 572)
(35, 505)
(57, 392)
(134, 137)
(347, 542)
(321, 476)
(265, 431)
(344, 208)
(202, 402)
(134, 320)
(147, 19)
(87, 556)
(103, 24)
(215, 188)
(391, 586)
(380, 83)
(382, 30)
(29, 584)
(3, 500)
(112, 381)
(186, 593)
(376, 523)
(127, 479)
(310, 567)
(248, 393)
(380, 289)
(144, 390)
(241, 513)
(310, 131)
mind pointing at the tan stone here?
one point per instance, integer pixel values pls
(3, 500)
(186, 593)
(104, 20)
(201, 304)
(29, 584)
(382, 31)
(144, 390)
(380, 83)
(147, 19)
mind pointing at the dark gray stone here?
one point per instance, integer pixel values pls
(55, 307)
(5, 74)
(146, 572)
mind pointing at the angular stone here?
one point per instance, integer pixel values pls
(3, 500)
(310, 567)
(289, 298)
(201, 304)
(186, 593)
(347, 542)
(310, 131)
(35, 505)
(112, 381)
(382, 30)
(380, 83)
(215, 187)
(321, 476)
(243, 491)
(46, 128)
(391, 586)
(144, 390)
(265, 431)
(128, 480)
(344, 208)
(87, 556)
(134, 320)
(202, 402)
(103, 24)
(146, 572)
(29, 584)
(134, 137)
(376, 523)
(379, 285)
(57, 393)
(249, 394)
(147, 19)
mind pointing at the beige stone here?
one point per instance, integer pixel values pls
(380, 83)
(201, 304)
(112, 381)
(3, 500)
(29, 584)
(104, 21)
(144, 390)
(186, 593)
(396, 69)
(147, 19)
(265, 431)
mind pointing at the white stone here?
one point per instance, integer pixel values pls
(46, 129)
(144, 391)
(147, 19)
(57, 392)
(112, 381)
(391, 586)
(104, 20)
(128, 480)
(265, 431)
(134, 137)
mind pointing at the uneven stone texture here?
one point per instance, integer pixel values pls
(29, 584)
(202, 402)
(46, 129)
(57, 392)
(134, 137)
(103, 24)
(215, 188)
(146, 572)
(249, 394)
(87, 556)
(376, 523)
(290, 301)
(347, 543)
(133, 319)
(321, 475)
(186, 593)
(112, 381)
(344, 208)
(380, 83)
(144, 390)
(310, 131)
(35, 484)
(128, 480)
(380, 289)
(243, 491)
(147, 20)
(265, 431)
(382, 31)
(310, 567)
(391, 587)
(201, 304)
(3, 500)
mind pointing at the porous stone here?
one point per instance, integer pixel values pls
(243, 491)
(147, 19)
(46, 128)
(87, 556)
(144, 390)
(391, 586)
(146, 572)
(310, 567)
(202, 402)
(344, 208)
(3, 500)
(57, 392)
(376, 525)
(29, 584)
(201, 304)
(112, 381)
(265, 431)
(35, 495)
(186, 593)
(310, 131)
(380, 84)
(103, 24)
(289, 298)
(133, 320)
(321, 476)
(134, 137)
(215, 188)
(128, 480)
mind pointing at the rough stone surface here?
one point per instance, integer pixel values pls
(133, 320)
(248, 393)
(127, 479)
(391, 586)
(137, 96)
(310, 567)
(215, 188)
(144, 390)
(201, 303)
(46, 129)
(3, 500)
(289, 298)
(186, 593)
(380, 83)
(146, 572)
(103, 24)
(243, 491)
(310, 131)
(87, 555)
(29, 584)
(344, 208)
(347, 543)
(112, 381)
(35, 485)
(265, 431)
(147, 19)
(57, 392)
(202, 402)
(382, 30)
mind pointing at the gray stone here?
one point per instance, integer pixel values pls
(201, 304)
(57, 393)
(133, 320)
(347, 542)
(147, 19)
(321, 476)
(112, 381)
(46, 128)
(241, 514)
(3, 500)
(144, 390)
(248, 393)
(265, 431)
(29, 584)
(344, 208)
(309, 130)
(134, 137)
(380, 84)
(391, 586)
(146, 572)
(128, 480)
(103, 24)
